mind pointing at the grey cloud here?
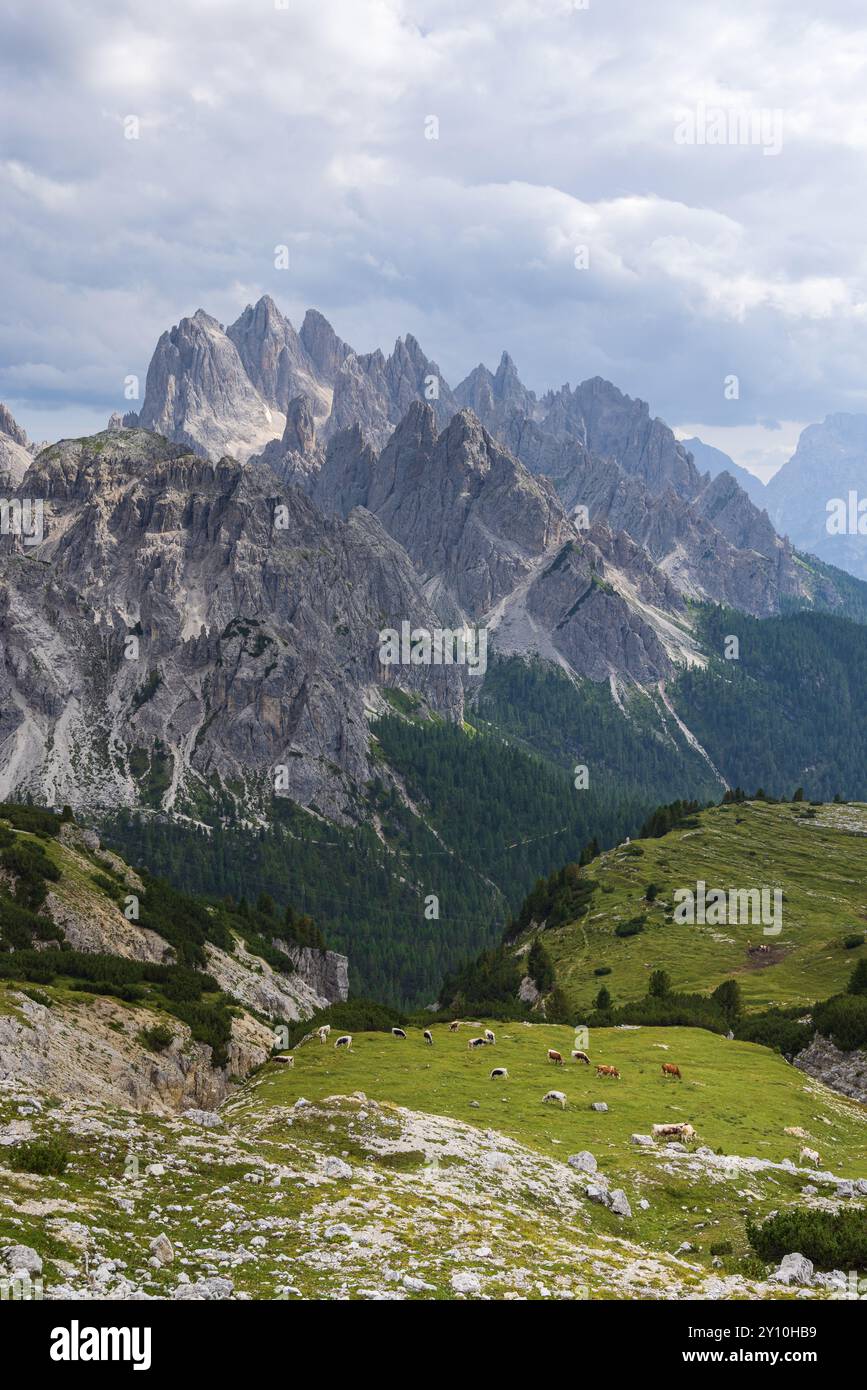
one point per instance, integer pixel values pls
(306, 126)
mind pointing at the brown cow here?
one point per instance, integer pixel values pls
(555, 1057)
(604, 1070)
(453, 1027)
(578, 1056)
(671, 1069)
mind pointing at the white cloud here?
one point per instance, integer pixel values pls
(556, 130)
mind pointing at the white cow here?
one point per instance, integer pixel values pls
(557, 1096)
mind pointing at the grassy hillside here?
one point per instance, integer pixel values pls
(817, 856)
(371, 1174)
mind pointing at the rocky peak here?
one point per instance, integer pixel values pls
(273, 355)
(325, 350)
(12, 430)
(198, 392)
(494, 398)
(16, 451)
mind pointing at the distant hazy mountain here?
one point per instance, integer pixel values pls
(829, 463)
(714, 461)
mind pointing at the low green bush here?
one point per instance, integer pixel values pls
(832, 1240)
(48, 1157)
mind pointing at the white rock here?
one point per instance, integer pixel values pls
(644, 1141)
(618, 1203)
(336, 1168)
(794, 1269)
(161, 1249)
(464, 1282)
(21, 1258)
(583, 1161)
(209, 1119)
(416, 1285)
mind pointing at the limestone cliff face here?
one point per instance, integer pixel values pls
(93, 1050)
(494, 544)
(185, 625)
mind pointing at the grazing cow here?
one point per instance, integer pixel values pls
(490, 1036)
(809, 1156)
(453, 1027)
(345, 1041)
(555, 1057)
(323, 1032)
(398, 1033)
(285, 1059)
(428, 1037)
(673, 1131)
(475, 1042)
(557, 1096)
(671, 1069)
(604, 1070)
(578, 1056)
(499, 1072)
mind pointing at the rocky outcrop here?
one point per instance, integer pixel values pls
(93, 1050)
(325, 972)
(281, 997)
(470, 517)
(297, 457)
(845, 1072)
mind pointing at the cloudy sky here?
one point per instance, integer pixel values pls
(667, 195)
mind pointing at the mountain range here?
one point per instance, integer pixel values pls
(195, 631)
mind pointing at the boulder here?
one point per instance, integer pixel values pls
(462, 1281)
(584, 1162)
(336, 1168)
(21, 1259)
(618, 1203)
(161, 1249)
(794, 1269)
